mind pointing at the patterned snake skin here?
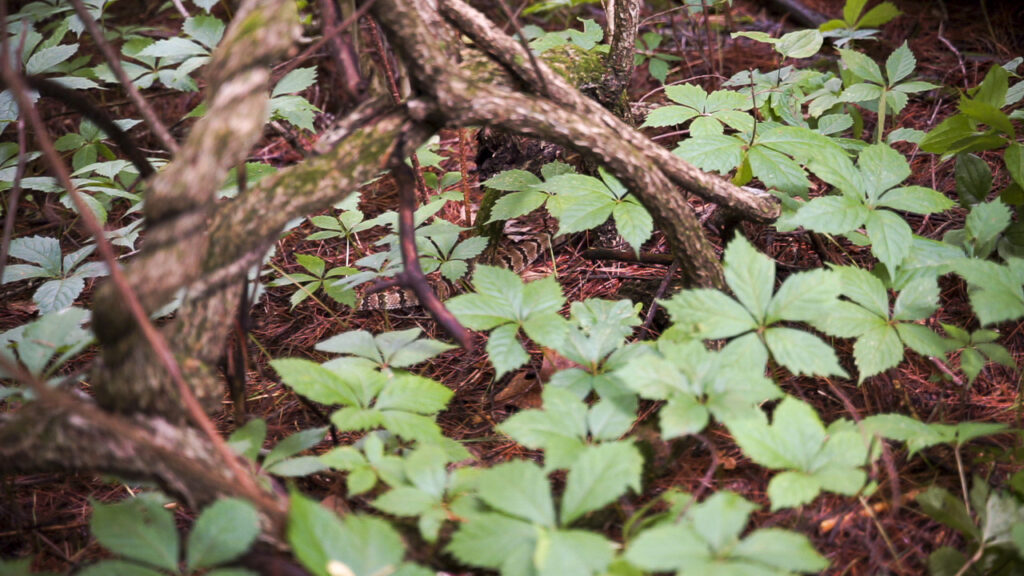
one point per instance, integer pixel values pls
(517, 252)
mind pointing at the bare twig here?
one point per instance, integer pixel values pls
(526, 46)
(159, 130)
(180, 8)
(152, 335)
(412, 276)
(662, 288)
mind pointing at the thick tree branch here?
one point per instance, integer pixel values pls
(178, 205)
(758, 208)
(623, 18)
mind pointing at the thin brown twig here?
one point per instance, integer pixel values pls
(662, 288)
(153, 336)
(412, 276)
(526, 46)
(287, 67)
(150, 117)
(396, 97)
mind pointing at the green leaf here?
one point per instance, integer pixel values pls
(718, 153)
(634, 223)
(57, 295)
(917, 301)
(890, 237)
(987, 220)
(412, 393)
(109, 568)
(293, 444)
(573, 553)
(223, 532)
(299, 466)
(900, 64)
(800, 44)
(802, 353)
(516, 204)
(512, 181)
(206, 29)
(405, 501)
(41, 250)
(777, 170)
(831, 214)
(865, 289)
(505, 351)
(356, 342)
(315, 382)
(750, 275)
(295, 81)
(46, 59)
(682, 416)
(519, 489)
(690, 95)
(709, 314)
(139, 529)
(877, 350)
(792, 489)
(248, 440)
(781, 549)
(803, 297)
(917, 199)
(599, 476)
(880, 14)
(987, 114)
(327, 545)
(495, 541)
(862, 66)
(669, 116)
(560, 428)
(1013, 156)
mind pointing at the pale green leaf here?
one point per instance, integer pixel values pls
(634, 223)
(831, 214)
(916, 199)
(223, 532)
(804, 296)
(750, 275)
(139, 529)
(669, 116)
(781, 549)
(800, 44)
(862, 65)
(877, 350)
(802, 353)
(900, 64)
(709, 314)
(719, 153)
(917, 301)
(890, 237)
(295, 81)
(326, 544)
(505, 350)
(791, 489)
(598, 477)
(516, 204)
(315, 382)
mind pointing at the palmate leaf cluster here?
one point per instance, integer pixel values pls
(798, 132)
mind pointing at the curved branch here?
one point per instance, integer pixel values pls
(757, 208)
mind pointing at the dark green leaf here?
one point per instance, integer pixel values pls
(223, 532)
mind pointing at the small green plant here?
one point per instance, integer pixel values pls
(45, 345)
(857, 24)
(65, 275)
(706, 540)
(143, 534)
(813, 458)
(504, 305)
(579, 202)
(318, 277)
(866, 86)
(869, 195)
(751, 319)
(658, 63)
(977, 349)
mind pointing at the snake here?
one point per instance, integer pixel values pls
(516, 252)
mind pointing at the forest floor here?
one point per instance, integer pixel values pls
(47, 515)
